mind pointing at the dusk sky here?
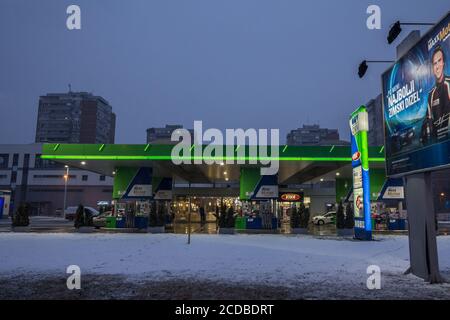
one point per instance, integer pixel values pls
(231, 63)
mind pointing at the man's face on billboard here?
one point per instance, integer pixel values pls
(438, 65)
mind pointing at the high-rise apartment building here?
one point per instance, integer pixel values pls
(75, 117)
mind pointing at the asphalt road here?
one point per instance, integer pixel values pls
(41, 224)
(58, 224)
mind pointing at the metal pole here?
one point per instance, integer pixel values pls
(189, 222)
(66, 178)
(417, 23)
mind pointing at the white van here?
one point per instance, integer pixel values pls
(70, 212)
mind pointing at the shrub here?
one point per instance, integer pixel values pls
(83, 218)
(340, 217)
(349, 216)
(226, 219)
(304, 216)
(300, 217)
(295, 217)
(157, 215)
(230, 218)
(21, 217)
(222, 217)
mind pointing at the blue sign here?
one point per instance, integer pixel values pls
(416, 99)
(140, 187)
(360, 166)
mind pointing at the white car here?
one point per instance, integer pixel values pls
(70, 212)
(329, 217)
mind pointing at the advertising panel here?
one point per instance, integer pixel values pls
(133, 183)
(416, 99)
(358, 202)
(254, 186)
(162, 188)
(359, 125)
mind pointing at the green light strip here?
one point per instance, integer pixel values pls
(285, 148)
(332, 148)
(146, 147)
(101, 147)
(56, 147)
(79, 157)
(381, 150)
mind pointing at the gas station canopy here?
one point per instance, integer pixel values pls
(297, 164)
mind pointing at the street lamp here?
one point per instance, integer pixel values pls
(66, 179)
(363, 66)
(396, 29)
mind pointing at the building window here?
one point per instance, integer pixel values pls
(26, 160)
(4, 159)
(40, 163)
(102, 178)
(52, 176)
(84, 177)
(56, 190)
(15, 159)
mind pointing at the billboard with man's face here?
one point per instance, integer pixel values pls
(416, 98)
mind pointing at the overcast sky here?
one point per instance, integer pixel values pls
(231, 63)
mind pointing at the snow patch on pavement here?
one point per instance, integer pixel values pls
(266, 259)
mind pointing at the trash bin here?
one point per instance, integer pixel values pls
(274, 223)
(401, 224)
(240, 223)
(2, 204)
(110, 222)
(393, 224)
(121, 222)
(254, 223)
(141, 222)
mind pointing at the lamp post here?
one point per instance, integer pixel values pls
(66, 179)
(363, 66)
(396, 28)
(189, 221)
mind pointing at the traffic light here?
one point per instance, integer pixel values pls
(362, 69)
(394, 32)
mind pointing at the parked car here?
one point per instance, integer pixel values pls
(329, 217)
(70, 212)
(100, 220)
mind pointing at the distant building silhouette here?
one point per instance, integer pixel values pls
(314, 135)
(75, 117)
(163, 135)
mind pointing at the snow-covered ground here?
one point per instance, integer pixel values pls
(272, 260)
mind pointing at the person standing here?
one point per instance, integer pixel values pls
(202, 215)
(436, 124)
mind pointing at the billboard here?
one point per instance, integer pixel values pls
(416, 105)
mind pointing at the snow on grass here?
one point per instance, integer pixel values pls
(269, 259)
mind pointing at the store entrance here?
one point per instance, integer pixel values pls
(204, 213)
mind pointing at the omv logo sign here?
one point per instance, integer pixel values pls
(356, 156)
